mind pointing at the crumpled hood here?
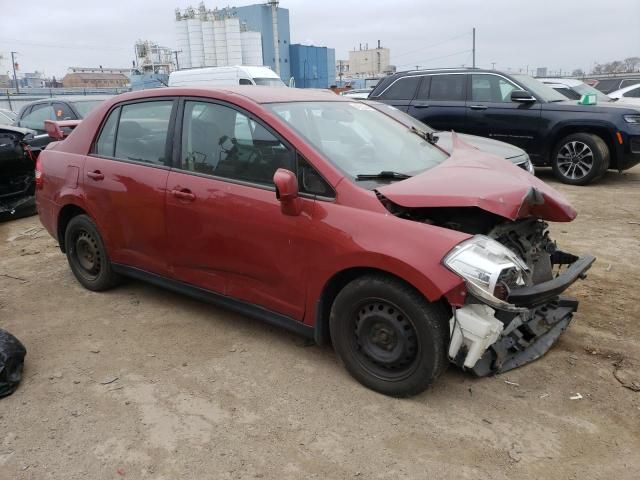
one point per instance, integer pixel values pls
(471, 178)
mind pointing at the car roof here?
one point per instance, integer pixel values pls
(258, 94)
(625, 89)
(569, 82)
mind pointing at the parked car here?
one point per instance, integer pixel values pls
(7, 117)
(360, 93)
(33, 115)
(580, 142)
(319, 214)
(19, 147)
(444, 139)
(225, 76)
(608, 85)
(574, 89)
(628, 95)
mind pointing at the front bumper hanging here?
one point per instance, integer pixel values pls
(522, 337)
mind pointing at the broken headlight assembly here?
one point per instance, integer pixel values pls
(489, 270)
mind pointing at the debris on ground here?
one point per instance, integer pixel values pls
(627, 375)
(12, 354)
(577, 396)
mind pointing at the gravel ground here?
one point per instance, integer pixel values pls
(145, 384)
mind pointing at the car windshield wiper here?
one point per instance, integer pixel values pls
(428, 136)
(384, 175)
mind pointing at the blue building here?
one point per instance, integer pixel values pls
(313, 67)
(258, 19)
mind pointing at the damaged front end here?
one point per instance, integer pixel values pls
(513, 310)
(18, 150)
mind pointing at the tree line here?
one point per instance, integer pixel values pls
(628, 65)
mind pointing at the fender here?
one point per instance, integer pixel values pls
(577, 125)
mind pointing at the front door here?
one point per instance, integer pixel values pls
(124, 181)
(494, 115)
(225, 227)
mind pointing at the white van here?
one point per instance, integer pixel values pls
(225, 76)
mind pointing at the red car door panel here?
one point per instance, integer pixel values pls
(129, 198)
(234, 239)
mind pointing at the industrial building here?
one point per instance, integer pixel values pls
(95, 80)
(368, 62)
(313, 67)
(234, 36)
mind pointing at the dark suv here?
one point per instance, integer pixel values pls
(580, 142)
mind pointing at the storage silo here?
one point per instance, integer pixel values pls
(234, 42)
(182, 42)
(251, 48)
(220, 39)
(194, 27)
(208, 41)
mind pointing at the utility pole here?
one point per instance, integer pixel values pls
(474, 47)
(175, 53)
(493, 65)
(15, 77)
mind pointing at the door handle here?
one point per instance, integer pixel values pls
(478, 107)
(183, 194)
(96, 175)
(421, 106)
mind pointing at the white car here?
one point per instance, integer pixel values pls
(7, 117)
(573, 89)
(628, 95)
(357, 93)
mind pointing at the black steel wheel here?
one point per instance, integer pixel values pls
(87, 255)
(388, 336)
(580, 158)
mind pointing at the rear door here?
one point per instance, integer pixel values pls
(440, 102)
(491, 113)
(226, 230)
(400, 93)
(124, 182)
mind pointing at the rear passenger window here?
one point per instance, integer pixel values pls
(63, 112)
(142, 132)
(221, 141)
(106, 144)
(402, 89)
(245, 81)
(447, 87)
(136, 132)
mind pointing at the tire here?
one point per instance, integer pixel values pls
(388, 336)
(87, 255)
(580, 159)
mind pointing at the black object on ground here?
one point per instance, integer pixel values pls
(12, 354)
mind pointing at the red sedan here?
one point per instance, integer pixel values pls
(321, 215)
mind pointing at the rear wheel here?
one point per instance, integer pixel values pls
(580, 158)
(87, 255)
(388, 336)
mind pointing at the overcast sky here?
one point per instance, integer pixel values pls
(567, 34)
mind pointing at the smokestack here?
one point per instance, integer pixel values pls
(276, 42)
(379, 44)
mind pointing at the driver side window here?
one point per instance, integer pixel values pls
(221, 141)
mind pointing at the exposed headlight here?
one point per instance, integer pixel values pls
(489, 269)
(632, 119)
(526, 164)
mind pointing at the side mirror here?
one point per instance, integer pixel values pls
(287, 191)
(522, 96)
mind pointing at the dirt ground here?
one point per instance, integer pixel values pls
(144, 384)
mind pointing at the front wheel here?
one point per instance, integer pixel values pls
(87, 255)
(580, 158)
(388, 336)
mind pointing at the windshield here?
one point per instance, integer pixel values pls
(269, 82)
(584, 89)
(359, 139)
(400, 116)
(539, 89)
(85, 106)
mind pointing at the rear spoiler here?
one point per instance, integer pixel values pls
(60, 130)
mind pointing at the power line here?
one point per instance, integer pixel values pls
(432, 45)
(422, 62)
(59, 45)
